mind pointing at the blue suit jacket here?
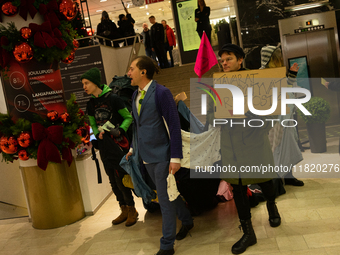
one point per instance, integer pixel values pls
(153, 140)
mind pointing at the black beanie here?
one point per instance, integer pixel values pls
(229, 47)
(93, 75)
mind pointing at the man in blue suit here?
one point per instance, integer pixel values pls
(159, 144)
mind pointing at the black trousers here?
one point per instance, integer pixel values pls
(169, 48)
(161, 55)
(242, 201)
(122, 193)
(207, 32)
(111, 154)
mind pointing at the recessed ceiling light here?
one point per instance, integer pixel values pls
(146, 6)
(102, 1)
(142, 7)
(99, 10)
(147, 13)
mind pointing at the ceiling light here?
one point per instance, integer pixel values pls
(147, 13)
(128, 5)
(146, 6)
(99, 10)
(142, 7)
(102, 1)
(306, 6)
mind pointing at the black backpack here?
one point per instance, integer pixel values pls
(121, 86)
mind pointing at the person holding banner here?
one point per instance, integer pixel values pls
(246, 146)
(202, 14)
(110, 119)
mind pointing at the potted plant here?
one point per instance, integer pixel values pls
(53, 196)
(320, 110)
(222, 31)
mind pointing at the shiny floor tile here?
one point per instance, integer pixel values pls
(310, 225)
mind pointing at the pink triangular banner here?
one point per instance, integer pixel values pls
(206, 57)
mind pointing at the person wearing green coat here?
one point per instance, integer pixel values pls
(110, 120)
(243, 146)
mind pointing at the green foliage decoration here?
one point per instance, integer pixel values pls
(46, 54)
(221, 21)
(319, 108)
(10, 128)
(54, 53)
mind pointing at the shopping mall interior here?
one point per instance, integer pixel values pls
(35, 219)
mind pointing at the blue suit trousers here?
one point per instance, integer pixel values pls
(158, 173)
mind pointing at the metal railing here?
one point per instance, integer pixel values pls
(122, 42)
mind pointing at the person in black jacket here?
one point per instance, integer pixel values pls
(147, 42)
(110, 120)
(157, 42)
(202, 14)
(108, 29)
(126, 26)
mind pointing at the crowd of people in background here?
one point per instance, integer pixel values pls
(158, 41)
(108, 29)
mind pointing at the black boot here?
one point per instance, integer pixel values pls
(248, 238)
(274, 216)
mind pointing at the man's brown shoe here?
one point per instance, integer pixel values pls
(132, 216)
(122, 217)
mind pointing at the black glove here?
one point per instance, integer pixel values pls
(115, 132)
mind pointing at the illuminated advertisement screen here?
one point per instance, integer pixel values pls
(186, 17)
(303, 74)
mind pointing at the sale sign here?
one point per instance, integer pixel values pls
(33, 87)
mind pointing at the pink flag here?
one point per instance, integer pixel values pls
(206, 57)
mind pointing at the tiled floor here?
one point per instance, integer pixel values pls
(8, 211)
(310, 225)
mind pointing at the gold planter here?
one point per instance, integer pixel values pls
(54, 195)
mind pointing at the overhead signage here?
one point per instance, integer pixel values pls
(33, 87)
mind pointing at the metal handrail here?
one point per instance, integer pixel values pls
(133, 50)
(94, 37)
